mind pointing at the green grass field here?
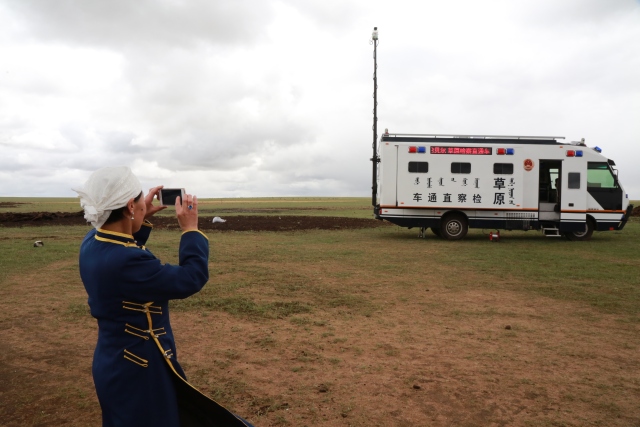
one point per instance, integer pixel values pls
(312, 286)
(602, 272)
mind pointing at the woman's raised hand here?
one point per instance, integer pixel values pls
(148, 200)
(187, 212)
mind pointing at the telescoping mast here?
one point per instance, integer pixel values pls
(375, 159)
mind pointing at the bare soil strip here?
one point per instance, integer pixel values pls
(232, 223)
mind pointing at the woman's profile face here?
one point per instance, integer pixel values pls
(139, 211)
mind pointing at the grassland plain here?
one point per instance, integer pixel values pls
(371, 327)
(355, 207)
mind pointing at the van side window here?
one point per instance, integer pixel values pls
(574, 180)
(418, 167)
(460, 167)
(503, 168)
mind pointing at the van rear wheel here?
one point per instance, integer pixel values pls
(582, 235)
(454, 227)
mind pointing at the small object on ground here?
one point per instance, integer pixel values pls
(218, 219)
(508, 327)
(322, 388)
(416, 387)
(38, 243)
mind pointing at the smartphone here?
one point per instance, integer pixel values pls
(168, 196)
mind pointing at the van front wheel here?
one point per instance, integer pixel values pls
(454, 227)
(582, 235)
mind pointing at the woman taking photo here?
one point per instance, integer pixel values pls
(135, 368)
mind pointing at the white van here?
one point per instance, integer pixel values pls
(449, 183)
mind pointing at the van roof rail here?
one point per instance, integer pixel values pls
(433, 135)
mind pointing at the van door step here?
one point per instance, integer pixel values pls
(551, 232)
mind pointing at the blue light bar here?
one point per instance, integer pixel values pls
(510, 151)
(578, 153)
(422, 149)
(598, 149)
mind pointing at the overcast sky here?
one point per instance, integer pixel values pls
(253, 98)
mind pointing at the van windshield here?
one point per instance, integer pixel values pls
(600, 176)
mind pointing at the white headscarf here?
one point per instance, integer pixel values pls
(107, 189)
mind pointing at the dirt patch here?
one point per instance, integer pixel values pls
(13, 219)
(10, 204)
(425, 356)
(275, 223)
(205, 222)
(232, 223)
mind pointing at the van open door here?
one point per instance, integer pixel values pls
(548, 194)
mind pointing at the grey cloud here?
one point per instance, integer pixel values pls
(82, 140)
(197, 113)
(87, 162)
(75, 134)
(9, 163)
(119, 142)
(46, 174)
(82, 151)
(336, 14)
(574, 13)
(125, 24)
(236, 146)
(10, 124)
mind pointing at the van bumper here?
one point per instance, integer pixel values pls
(626, 217)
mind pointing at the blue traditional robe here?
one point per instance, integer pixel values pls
(138, 379)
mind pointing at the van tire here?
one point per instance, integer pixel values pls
(454, 227)
(583, 235)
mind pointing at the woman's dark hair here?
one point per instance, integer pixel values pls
(119, 213)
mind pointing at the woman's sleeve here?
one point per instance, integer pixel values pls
(145, 278)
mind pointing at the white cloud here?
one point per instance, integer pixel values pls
(267, 98)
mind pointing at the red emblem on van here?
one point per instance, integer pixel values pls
(528, 165)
